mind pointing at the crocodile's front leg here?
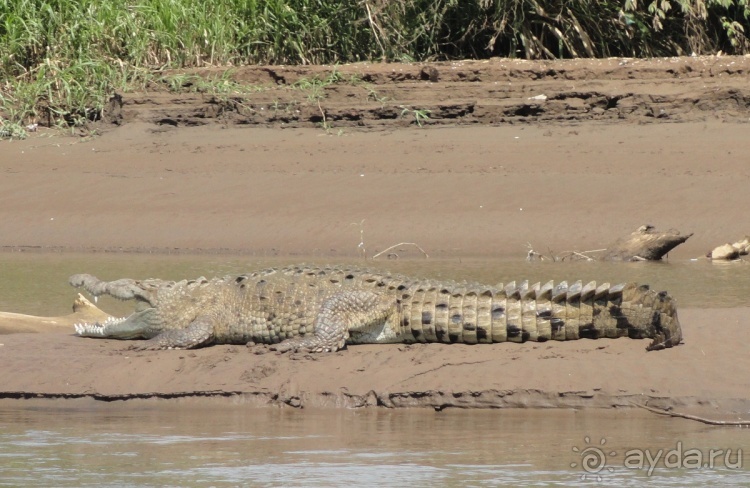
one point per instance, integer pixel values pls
(362, 311)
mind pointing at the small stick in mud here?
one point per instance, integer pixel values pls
(704, 420)
(581, 254)
(532, 254)
(361, 245)
(401, 244)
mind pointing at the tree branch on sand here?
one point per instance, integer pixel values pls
(397, 245)
(390, 255)
(704, 420)
(644, 244)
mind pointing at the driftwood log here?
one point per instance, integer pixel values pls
(83, 311)
(645, 244)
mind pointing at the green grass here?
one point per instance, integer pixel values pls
(61, 59)
(420, 116)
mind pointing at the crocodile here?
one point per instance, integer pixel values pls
(321, 309)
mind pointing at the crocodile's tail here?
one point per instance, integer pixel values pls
(519, 313)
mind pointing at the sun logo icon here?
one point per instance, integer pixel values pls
(593, 459)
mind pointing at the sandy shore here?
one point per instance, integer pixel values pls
(592, 162)
(454, 191)
(573, 176)
(704, 374)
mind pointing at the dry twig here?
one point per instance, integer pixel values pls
(704, 420)
(361, 244)
(377, 31)
(401, 244)
(579, 254)
(532, 254)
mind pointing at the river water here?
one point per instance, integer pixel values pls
(36, 283)
(210, 443)
(214, 442)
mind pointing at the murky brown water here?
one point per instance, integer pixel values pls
(36, 283)
(167, 443)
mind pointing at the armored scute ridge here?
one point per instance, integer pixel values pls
(324, 308)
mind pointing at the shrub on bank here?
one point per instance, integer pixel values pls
(59, 58)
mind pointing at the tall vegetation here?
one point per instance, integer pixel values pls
(59, 58)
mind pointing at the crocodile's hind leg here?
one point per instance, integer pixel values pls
(199, 333)
(361, 311)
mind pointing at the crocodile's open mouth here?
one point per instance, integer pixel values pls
(129, 327)
(88, 330)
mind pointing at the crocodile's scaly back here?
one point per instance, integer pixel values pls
(520, 313)
(322, 308)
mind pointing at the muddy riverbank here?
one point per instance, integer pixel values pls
(613, 145)
(704, 374)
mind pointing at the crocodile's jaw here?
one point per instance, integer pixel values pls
(135, 326)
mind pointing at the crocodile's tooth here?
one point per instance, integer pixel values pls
(586, 327)
(459, 291)
(527, 318)
(588, 291)
(469, 314)
(523, 288)
(543, 311)
(545, 292)
(574, 292)
(559, 292)
(573, 311)
(615, 291)
(96, 298)
(510, 290)
(484, 317)
(532, 291)
(601, 291)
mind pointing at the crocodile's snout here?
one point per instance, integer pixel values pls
(77, 280)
